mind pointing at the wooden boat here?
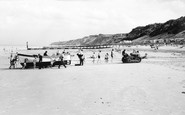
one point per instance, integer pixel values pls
(31, 61)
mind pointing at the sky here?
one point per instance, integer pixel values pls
(41, 22)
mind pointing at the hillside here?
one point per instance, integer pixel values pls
(169, 30)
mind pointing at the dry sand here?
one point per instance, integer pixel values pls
(155, 86)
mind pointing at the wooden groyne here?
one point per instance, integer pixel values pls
(72, 47)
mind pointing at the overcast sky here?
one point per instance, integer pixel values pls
(41, 22)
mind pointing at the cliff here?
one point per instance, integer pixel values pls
(169, 30)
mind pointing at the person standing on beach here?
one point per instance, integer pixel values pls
(123, 52)
(81, 57)
(40, 61)
(112, 55)
(12, 63)
(34, 62)
(99, 57)
(61, 59)
(93, 57)
(106, 57)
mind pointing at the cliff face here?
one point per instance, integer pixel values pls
(168, 30)
(171, 27)
(100, 39)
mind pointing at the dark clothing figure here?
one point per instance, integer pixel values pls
(45, 53)
(40, 61)
(61, 58)
(12, 63)
(112, 53)
(80, 56)
(124, 54)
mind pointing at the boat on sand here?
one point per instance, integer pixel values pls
(31, 61)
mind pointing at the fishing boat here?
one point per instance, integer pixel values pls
(32, 61)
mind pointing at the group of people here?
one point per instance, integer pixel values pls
(37, 60)
(59, 57)
(134, 53)
(99, 56)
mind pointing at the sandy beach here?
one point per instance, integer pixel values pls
(156, 86)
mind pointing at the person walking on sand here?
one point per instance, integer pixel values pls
(61, 59)
(99, 57)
